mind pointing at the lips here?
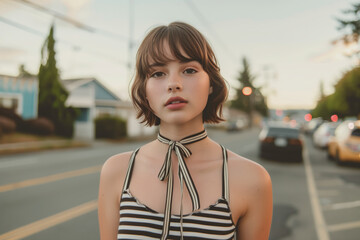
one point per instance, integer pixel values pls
(175, 100)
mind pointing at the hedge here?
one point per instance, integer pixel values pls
(107, 126)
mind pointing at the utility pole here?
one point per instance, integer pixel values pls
(131, 42)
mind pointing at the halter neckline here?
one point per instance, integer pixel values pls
(166, 173)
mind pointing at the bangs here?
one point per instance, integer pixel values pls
(185, 43)
(184, 46)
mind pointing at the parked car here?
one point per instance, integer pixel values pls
(235, 125)
(323, 134)
(281, 142)
(345, 145)
(311, 126)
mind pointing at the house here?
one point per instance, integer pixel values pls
(93, 99)
(20, 94)
(88, 95)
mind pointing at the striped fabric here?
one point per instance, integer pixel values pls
(166, 173)
(138, 221)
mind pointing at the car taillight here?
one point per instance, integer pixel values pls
(268, 140)
(353, 146)
(295, 142)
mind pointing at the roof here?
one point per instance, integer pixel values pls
(72, 84)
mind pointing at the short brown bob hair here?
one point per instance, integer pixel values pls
(181, 37)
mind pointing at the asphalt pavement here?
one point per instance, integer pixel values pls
(52, 194)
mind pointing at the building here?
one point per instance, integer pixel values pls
(20, 94)
(93, 99)
(88, 95)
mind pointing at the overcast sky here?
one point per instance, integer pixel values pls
(287, 42)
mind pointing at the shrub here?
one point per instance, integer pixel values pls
(39, 126)
(110, 127)
(11, 114)
(7, 125)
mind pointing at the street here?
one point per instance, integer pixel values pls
(52, 194)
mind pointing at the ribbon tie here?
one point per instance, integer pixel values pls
(166, 173)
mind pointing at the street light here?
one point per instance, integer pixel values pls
(248, 91)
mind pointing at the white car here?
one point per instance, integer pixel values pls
(323, 134)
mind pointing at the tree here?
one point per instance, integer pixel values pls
(52, 95)
(353, 24)
(345, 101)
(23, 72)
(254, 101)
(322, 92)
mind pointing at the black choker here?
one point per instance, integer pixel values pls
(184, 175)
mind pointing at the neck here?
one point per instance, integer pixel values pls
(178, 132)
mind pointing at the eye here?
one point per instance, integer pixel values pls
(157, 74)
(190, 71)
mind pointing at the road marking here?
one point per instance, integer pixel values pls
(344, 205)
(320, 225)
(45, 223)
(344, 226)
(51, 178)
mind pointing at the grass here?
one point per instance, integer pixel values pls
(24, 137)
(35, 143)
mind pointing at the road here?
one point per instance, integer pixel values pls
(52, 194)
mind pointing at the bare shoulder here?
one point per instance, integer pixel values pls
(116, 165)
(250, 187)
(247, 174)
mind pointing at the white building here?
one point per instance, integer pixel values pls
(92, 98)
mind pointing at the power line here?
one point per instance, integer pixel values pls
(20, 26)
(36, 32)
(204, 21)
(73, 22)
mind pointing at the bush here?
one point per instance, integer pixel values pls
(7, 125)
(38, 126)
(110, 127)
(11, 114)
(64, 126)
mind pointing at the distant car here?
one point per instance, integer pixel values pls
(345, 145)
(323, 134)
(235, 125)
(311, 126)
(281, 142)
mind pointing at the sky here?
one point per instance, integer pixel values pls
(288, 43)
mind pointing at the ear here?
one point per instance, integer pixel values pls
(210, 90)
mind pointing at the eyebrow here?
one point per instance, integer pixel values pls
(158, 64)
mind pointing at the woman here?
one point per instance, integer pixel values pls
(201, 190)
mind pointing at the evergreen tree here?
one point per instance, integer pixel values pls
(353, 25)
(256, 101)
(52, 95)
(23, 72)
(322, 92)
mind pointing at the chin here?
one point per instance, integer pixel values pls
(181, 120)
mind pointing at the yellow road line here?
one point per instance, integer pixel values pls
(48, 222)
(51, 178)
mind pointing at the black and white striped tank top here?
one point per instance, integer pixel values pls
(138, 221)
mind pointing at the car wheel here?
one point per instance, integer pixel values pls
(337, 158)
(329, 156)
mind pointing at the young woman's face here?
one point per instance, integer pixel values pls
(177, 91)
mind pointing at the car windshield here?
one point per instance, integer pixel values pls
(283, 132)
(356, 133)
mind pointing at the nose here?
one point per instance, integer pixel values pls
(174, 83)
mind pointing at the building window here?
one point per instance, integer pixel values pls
(9, 102)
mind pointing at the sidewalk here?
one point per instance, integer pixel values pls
(49, 144)
(30, 146)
